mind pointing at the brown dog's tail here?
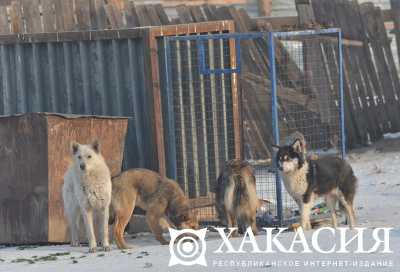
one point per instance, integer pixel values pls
(111, 218)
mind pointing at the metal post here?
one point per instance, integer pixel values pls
(202, 56)
(342, 117)
(238, 58)
(275, 121)
(171, 143)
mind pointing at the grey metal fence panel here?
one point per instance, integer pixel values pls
(97, 77)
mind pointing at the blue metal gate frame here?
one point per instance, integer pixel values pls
(271, 36)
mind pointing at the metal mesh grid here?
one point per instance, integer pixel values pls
(257, 130)
(203, 119)
(308, 91)
(202, 115)
(308, 96)
(266, 192)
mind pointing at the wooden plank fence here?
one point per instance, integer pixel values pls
(371, 77)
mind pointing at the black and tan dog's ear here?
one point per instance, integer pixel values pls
(74, 147)
(96, 146)
(275, 148)
(297, 146)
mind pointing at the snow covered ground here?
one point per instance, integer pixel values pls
(377, 205)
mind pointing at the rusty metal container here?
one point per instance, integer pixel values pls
(34, 155)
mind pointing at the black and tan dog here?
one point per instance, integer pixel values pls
(236, 196)
(159, 197)
(307, 179)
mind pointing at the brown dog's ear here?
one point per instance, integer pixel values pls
(96, 146)
(297, 145)
(184, 217)
(74, 147)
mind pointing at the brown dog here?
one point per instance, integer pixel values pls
(236, 196)
(158, 196)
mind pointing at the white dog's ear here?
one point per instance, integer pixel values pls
(297, 146)
(96, 146)
(74, 147)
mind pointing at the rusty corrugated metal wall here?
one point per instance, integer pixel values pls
(95, 77)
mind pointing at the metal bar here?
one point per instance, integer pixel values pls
(68, 77)
(85, 77)
(202, 58)
(275, 121)
(236, 36)
(171, 147)
(220, 71)
(223, 95)
(21, 84)
(52, 103)
(235, 62)
(182, 119)
(193, 126)
(238, 64)
(6, 86)
(216, 71)
(100, 78)
(36, 101)
(341, 90)
(242, 36)
(256, 35)
(214, 110)
(284, 34)
(117, 106)
(136, 100)
(204, 132)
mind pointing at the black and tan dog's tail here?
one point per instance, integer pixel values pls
(349, 187)
(240, 191)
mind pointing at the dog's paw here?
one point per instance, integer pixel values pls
(126, 248)
(164, 242)
(107, 248)
(92, 250)
(295, 227)
(306, 227)
(75, 244)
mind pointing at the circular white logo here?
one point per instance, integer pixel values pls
(187, 247)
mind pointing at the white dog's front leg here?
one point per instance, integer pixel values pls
(104, 215)
(88, 220)
(75, 228)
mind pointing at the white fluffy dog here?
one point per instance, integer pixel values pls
(87, 192)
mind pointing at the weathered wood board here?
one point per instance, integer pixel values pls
(35, 153)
